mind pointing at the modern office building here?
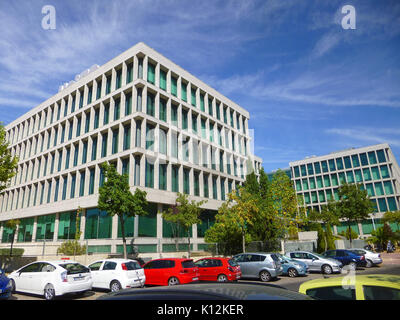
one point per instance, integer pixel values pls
(317, 179)
(149, 117)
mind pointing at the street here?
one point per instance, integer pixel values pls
(390, 266)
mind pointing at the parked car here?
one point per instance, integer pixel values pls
(316, 262)
(264, 266)
(358, 287)
(52, 278)
(117, 274)
(371, 258)
(346, 257)
(170, 271)
(5, 286)
(210, 291)
(291, 267)
(218, 269)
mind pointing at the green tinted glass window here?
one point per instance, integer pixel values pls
(174, 86)
(321, 196)
(364, 159)
(334, 179)
(385, 171)
(163, 80)
(329, 195)
(350, 177)
(339, 163)
(327, 181)
(370, 189)
(381, 156)
(388, 187)
(45, 227)
(296, 172)
(151, 73)
(347, 162)
(336, 194)
(298, 185)
(317, 167)
(375, 173)
(379, 189)
(382, 205)
(358, 175)
(319, 182)
(184, 91)
(356, 162)
(303, 170)
(332, 165)
(372, 157)
(314, 197)
(324, 165)
(310, 169)
(367, 174)
(342, 178)
(307, 198)
(305, 184)
(392, 203)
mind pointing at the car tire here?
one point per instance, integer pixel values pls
(115, 286)
(49, 292)
(173, 281)
(292, 272)
(265, 276)
(222, 278)
(326, 269)
(369, 263)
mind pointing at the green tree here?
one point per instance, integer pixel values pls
(382, 235)
(13, 225)
(392, 217)
(116, 198)
(354, 204)
(184, 213)
(8, 163)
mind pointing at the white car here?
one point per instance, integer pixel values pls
(372, 258)
(117, 274)
(52, 278)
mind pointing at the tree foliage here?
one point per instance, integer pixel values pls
(184, 213)
(8, 163)
(116, 198)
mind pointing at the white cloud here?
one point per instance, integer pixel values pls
(368, 135)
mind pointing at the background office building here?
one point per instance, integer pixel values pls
(151, 119)
(317, 179)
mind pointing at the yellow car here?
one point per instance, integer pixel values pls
(354, 287)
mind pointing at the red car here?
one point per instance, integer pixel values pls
(170, 271)
(218, 269)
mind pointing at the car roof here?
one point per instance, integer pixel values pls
(371, 279)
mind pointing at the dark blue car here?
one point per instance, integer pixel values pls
(5, 286)
(346, 257)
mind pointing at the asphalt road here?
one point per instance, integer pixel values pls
(284, 281)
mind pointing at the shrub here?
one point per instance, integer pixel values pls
(16, 252)
(71, 247)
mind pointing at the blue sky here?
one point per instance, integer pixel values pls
(311, 87)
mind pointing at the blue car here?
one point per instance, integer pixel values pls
(291, 267)
(5, 286)
(347, 257)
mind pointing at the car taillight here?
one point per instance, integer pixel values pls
(362, 258)
(123, 265)
(64, 277)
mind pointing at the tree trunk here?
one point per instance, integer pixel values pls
(12, 243)
(350, 235)
(243, 242)
(189, 243)
(121, 219)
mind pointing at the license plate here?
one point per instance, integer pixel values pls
(195, 279)
(78, 278)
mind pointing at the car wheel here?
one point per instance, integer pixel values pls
(115, 286)
(265, 276)
(222, 278)
(49, 292)
(292, 272)
(369, 264)
(327, 269)
(173, 281)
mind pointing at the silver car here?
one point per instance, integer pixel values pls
(372, 258)
(263, 266)
(316, 262)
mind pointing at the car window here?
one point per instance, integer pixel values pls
(381, 293)
(311, 256)
(358, 252)
(200, 263)
(340, 253)
(255, 258)
(132, 265)
(74, 268)
(34, 267)
(188, 264)
(218, 263)
(330, 253)
(164, 264)
(296, 255)
(109, 265)
(239, 258)
(95, 266)
(275, 257)
(332, 293)
(46, 267)
(232, 263)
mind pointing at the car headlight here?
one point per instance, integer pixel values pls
(9, 285)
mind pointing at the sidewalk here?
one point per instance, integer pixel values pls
(391, 258)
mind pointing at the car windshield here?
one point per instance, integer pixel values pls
(74, 268)
(132, 265)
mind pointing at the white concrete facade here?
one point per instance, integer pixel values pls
(132, 111)
(317, 178)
